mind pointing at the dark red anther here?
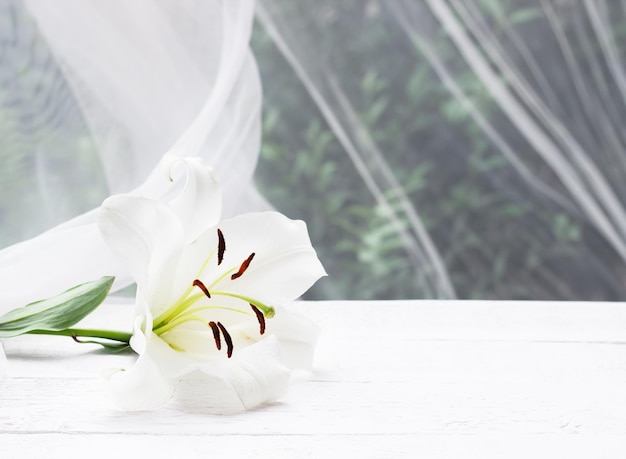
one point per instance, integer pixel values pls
(216, 335)
(260, 317)
(75, 338)
(221, 247)
(228, 339)
(198, 283)
(243, 267)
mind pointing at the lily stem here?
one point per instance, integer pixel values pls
(123, 337)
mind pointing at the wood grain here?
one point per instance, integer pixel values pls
(392, 379)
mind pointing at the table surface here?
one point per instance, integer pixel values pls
(392, 379)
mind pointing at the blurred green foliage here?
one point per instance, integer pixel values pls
(499, 238)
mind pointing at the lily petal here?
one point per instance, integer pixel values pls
(199, 205)
(147, 238)
(297, 336)
(150, 383)
(195, 339)
(143, 387)
(255, 375)
(285, 264)
(141, 327)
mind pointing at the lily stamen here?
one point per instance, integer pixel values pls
(181, 319)
(260, 317)
(221, 247)
(243, 267)
(228, 339)
(216, 335)
(186, 312)
(198, 283)
(268, 311)
(190, 304)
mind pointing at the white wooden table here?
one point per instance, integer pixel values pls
(394, 379)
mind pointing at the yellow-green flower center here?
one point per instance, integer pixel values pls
(192, 303)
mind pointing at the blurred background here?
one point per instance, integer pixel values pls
(436, 148)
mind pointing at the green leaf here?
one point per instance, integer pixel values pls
(56, 313)
(109, 346)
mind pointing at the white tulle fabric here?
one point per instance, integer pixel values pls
(150, 77)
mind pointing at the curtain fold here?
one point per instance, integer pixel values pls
(144, 78)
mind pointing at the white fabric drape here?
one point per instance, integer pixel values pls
(438, 148)
(148, 77)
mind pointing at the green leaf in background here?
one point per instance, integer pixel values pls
(56, 313)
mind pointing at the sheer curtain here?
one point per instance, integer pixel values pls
(96, 93)
(436, 148)
(483, 142)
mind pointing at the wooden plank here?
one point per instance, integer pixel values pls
(391, 377)
(473, 320)
(54, 445)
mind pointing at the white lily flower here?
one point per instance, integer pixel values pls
(205, 289)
